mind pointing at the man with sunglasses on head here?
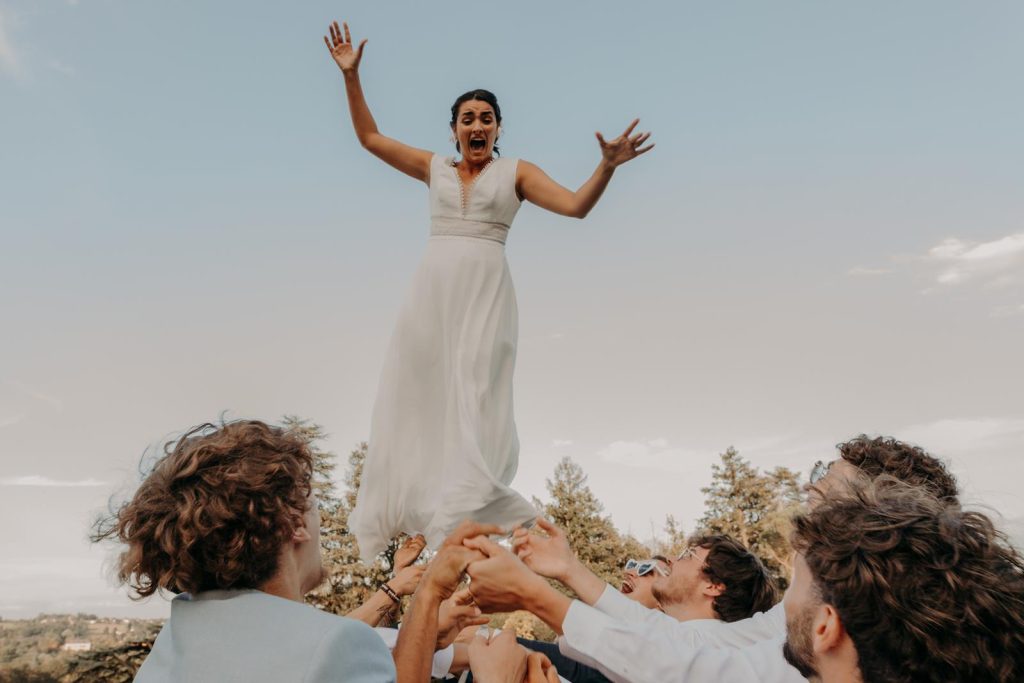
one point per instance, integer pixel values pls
(714, 578)
(639, 576)
(631, 644)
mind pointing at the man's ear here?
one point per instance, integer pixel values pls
(713, 590)
(827, 631)
(301, 534)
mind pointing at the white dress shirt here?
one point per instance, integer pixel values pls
(632, 644)
(442, 662)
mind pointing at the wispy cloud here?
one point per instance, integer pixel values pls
(11, 420)
(650, 453)
(969, 437)
(54, 402)
(958, 261)
(62, 68)
(40, 481)
(861, 271)
(10, 61)
(1007, 311)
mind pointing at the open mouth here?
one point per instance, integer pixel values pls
(627, 587)
(477, 144)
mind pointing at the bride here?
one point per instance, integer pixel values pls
(443, 444)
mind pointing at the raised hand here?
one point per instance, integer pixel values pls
(407, 579)
(499, 581)
(625, 147)
(340, 46)
(456, 614)
(498, 660)
(548, 555)
(409, 552)
(539, 669)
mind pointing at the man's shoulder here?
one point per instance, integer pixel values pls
(260, 637)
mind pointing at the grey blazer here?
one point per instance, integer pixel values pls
(252, 637)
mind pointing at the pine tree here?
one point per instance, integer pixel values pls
(349, 582)
(753, 508)
(675, 539)
(592, 536)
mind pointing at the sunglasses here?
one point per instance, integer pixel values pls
(819, 471)
(644, 567)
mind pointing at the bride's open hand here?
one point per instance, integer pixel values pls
(340, 47)
(625, 147)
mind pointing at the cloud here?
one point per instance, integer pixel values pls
(37, 480)
(1008, 311)
(52, 401)
(10, 61)
(861, 271)
(653, 453)
(959, 261)
(559, 443)
(969, 437)
(11, 420)
(62, 68)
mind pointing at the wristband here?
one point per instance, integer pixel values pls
(390, 592)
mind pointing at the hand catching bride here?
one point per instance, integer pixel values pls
(618, 151)
(340, 46)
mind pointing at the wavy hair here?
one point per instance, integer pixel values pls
(214, 512)
(749, 588)
(926, 591)
(911, 464)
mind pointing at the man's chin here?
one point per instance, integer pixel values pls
(799, 662)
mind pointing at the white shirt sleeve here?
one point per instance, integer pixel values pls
(443, 659)
(712, 632)
(646, 652)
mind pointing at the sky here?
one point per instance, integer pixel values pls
(826, 241)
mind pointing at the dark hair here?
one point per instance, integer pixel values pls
(483, 96)
(749, 588)
(910, 464)
(927, 591)
(215, 510)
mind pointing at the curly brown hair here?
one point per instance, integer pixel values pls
(926, 590)
(215, 511)
(911, 464)
(749, 588)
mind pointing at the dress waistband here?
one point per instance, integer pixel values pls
(463, 227)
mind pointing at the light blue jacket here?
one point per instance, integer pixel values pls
(252, 637)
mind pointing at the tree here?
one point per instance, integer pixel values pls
(349, 582)
(675, 539)
(592, 536)
(753, 508)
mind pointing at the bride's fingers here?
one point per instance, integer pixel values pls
(642, 150)
(348, 36)
(600, 138)
(337, 32)
(640, 139)
(630, 128)
(359, 52)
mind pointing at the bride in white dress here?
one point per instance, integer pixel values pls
(443, 444)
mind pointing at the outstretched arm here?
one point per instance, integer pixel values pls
(409, 160)
(551, 556)
(536, 186)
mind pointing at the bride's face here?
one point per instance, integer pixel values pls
(476, 129)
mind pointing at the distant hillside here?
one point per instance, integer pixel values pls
(64, 647)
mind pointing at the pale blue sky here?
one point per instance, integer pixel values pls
(826, 240)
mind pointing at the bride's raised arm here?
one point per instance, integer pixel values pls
(408, 160)
(536, 186)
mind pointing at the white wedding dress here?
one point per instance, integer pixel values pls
(443, 444)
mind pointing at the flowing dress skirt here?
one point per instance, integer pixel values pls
(443, 444)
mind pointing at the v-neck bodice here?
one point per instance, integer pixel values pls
(483, 208)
